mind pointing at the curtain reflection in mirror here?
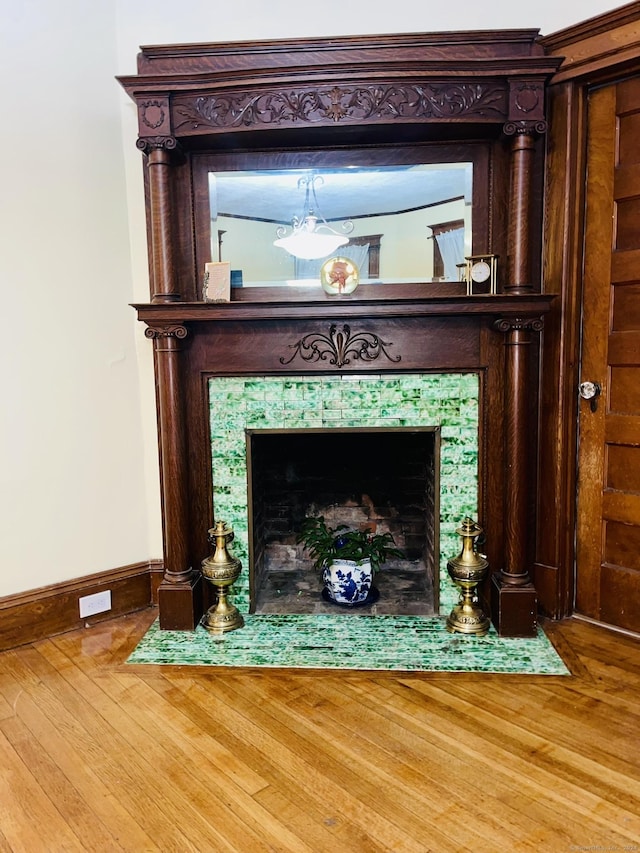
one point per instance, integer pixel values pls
(451, 246)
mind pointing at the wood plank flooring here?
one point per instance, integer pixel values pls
(99, 756)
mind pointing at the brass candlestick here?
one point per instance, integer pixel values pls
(467, 571)
(221, 570)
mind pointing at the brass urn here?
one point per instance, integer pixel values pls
(467, 571)
(221, 570)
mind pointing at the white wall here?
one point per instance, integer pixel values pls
(161, 21)
(78, 470)
(73, 495)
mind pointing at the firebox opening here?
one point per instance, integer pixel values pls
(385, 479)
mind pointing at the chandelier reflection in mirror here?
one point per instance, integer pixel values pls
(311, 235)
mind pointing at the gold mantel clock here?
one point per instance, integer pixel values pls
(480, 269)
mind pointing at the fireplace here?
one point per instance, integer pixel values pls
(282, 426)
(402, 351)
(381, 480)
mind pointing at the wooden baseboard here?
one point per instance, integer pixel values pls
(47, 611)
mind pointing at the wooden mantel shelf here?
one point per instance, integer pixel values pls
(532, 305)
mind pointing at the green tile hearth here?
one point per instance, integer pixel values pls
(378, 643)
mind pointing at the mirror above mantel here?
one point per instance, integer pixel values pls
(399, 223)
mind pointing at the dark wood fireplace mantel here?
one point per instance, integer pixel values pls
(475, 96)
(486, 334)
(341, 309)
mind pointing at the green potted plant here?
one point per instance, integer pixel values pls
(347, 558)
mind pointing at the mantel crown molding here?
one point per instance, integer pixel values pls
(187, 90)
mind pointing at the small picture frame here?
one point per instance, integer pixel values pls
(217, 282)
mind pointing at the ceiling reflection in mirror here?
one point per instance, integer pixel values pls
(396, 223)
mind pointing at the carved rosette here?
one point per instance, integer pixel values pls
(380, 102)
(153, 113)
(518, 324)
(527, 97)
(339, 347)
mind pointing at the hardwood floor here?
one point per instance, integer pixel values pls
(102, 757)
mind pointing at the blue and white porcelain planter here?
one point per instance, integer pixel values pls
(348, 582)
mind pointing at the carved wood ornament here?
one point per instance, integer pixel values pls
(381, 102)
(340, 347)
(476, 95)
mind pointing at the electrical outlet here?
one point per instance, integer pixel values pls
(96, 603)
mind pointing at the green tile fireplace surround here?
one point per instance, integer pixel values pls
(447, 400)
(335, 641)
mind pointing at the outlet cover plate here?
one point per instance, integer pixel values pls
(99, 602)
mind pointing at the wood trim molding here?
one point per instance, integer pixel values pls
(597, 46)
(44, 612)
(595, 52)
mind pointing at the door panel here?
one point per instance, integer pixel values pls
(623, 468)
(622, 545)
(626, 307)
(608, 526)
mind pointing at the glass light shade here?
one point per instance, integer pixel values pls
(311, 244)
(312, 236)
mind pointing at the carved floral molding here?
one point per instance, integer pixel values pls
(343, 103)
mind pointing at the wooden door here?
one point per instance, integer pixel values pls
(608, 525)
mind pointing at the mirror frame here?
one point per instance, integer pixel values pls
(476, 153)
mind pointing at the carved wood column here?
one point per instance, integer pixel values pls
(179, 595)
(159, 163)
(513, 597)
(518, 276)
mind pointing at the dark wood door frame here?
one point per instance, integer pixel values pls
(597, 51)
